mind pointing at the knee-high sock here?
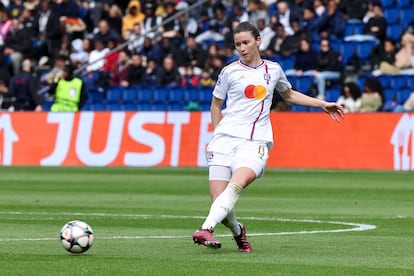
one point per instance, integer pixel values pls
(231, 222)
(222, 206)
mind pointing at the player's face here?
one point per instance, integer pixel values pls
(247, 46)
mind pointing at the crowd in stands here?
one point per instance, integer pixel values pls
(351, 47)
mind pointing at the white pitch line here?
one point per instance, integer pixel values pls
(355, 226)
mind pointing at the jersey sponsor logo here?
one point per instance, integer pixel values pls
(255, 92)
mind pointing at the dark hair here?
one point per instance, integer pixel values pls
(353, 88)
(247, 27)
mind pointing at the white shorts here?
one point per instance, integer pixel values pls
(226, 153)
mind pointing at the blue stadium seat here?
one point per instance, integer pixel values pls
(389, 94)
(145, 106)
(95, 95)
(129, 107)
(113, 95)
(205, 95)
(176, 96)
(97, 107)
(392, 15)
(394, 31)
(385, 80)
(333, 93)
(303, 83)
(406, 16)
(299, 108)
(364, 49)
(410, 82)
(398, 81)
(129, 95)
(353, 27)
(404, 3)
(402, 95)
(145, 95)
(387, 4)
(113, 106)
(347, 51)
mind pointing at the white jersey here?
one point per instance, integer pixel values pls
(248, 92)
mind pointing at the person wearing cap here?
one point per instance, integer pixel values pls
(69, 91)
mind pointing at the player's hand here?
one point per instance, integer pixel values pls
(334, 110)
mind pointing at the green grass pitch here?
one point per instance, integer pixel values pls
(300, 222)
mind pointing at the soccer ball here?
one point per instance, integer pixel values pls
(76, 236)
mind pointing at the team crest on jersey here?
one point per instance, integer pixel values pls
(267, 77)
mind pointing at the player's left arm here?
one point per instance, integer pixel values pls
(334, 110)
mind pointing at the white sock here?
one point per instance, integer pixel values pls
(231, 222)
(222, 206)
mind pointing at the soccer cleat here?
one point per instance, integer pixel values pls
(241, 240)
(206, 238)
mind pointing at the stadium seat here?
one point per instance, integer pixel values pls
(387, 4)
(95, 95)
(303, 83)
(129, 95)
(385, 80)
(353, 27)
(113, 106)
(299, 108)
(394, 31)
(389, 94)
(392, 15)
(145, 95)
(191, 94)
(347, 51)
(402, 95)
(406, 16)
(176, 96)
(129, 107)
(398, 81)
(205, 95)
(333, 93)
(364, 49)
(113, 95)
(404, 3)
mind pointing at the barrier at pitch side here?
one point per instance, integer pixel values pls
(302, 140)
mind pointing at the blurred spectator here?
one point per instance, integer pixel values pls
(6, 98)
(47, 31)
(133, 16)
(239, 13)
(266, 34)
(228, 37)
(383, 53)
(369, 13)
(120, 71)
(354, 9)
(206, 80)
(78, 55)
(257, 9)
(333, 23)
(18, 44)
(67, 9)
(24, 87)
(218, 64)
(311, 23)
(319, 7)
(169, 27)
(286, 15)
(149, 78)
(150, 50)
(212, 52)
(376, 25)
(218, 26)
(55, 73)
(69, 92)
(193, 54)
(135, 38)
(187, 25)
(151, 21)
(136, 71)
(350, 98)
(189, 79)
(328, 67)
(105, 32)
(95, 76)
(168, 48)
(306, 59)
(372, 96)
(114, 18)
(168, 74)
(5, 24)
(277, 44)
(404, 58)
(291, 42)
(408, 105)
(15, 8)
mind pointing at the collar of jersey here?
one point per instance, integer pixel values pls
(252, 67)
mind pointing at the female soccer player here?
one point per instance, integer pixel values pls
(238, 151)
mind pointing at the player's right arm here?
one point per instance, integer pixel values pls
(215, 109)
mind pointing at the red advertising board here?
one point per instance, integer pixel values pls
(302, 140)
